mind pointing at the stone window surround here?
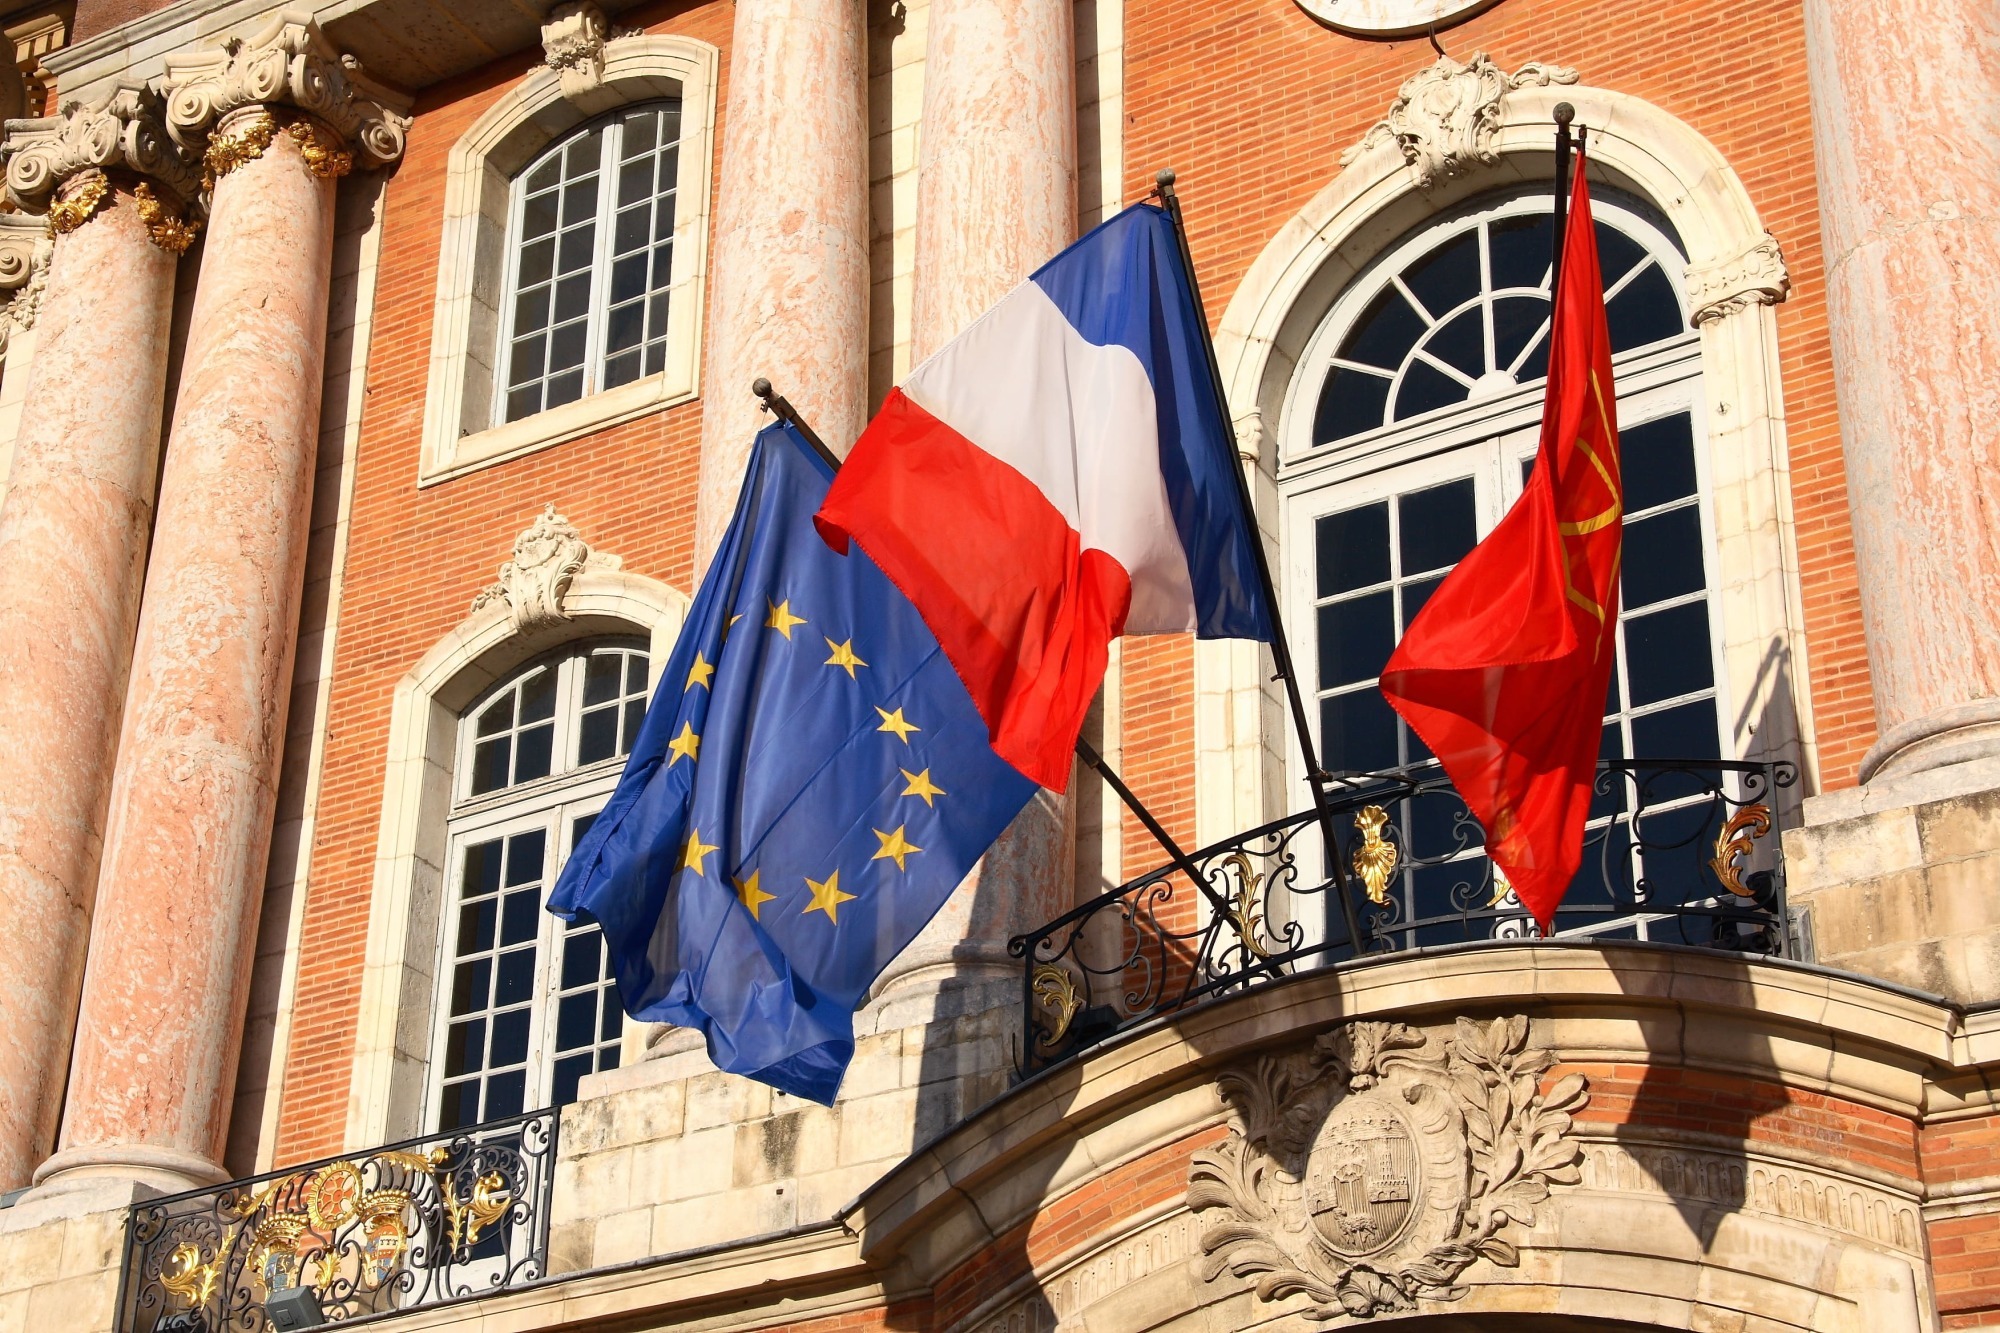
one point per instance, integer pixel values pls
(478, 187)
(1241, 727)
(392, 1040)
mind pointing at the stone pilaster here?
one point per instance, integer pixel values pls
(73, 536)
(789, 266)
(996, 199)
(278, 120)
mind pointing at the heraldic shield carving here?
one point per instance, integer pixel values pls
(1375, 1168)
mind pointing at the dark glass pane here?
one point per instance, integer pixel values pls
(459, 1106)
(601, 674)
(489, 765)
(583, 954)
(1351, 402)
(1357, 732)
(635, 185)
(663, 266)
(609, 1026)
(1617, 254)
(521, 918)
(1414, 597)
(538, 216)
(515, 983)
(1353, 548)
(524, 856)
(525, 360)
(1356, 637)
(471, 986)
(475, 925)
(599, 738)
(1537, 364)
(576, 1021)
(1385, 333)
(531, 310)
(632, 228)
(670, 122)
(482, 869)
(524, 402)
(580, 826)
(1684, 732)
(573, 298)
(465, 1047)
(537, 262)
(584, 154)
(663, 216)
(656, 313)
(579, 201)
(1645, 312)
(1448, 276)
(640, 127)
(565, 351)
(510, 1037)
(505, 1094)
(534, 752)
(1426, 389)
(1437, 526)
(569, 1072)
(576, 249)
(1519, 251)
(627, 327)
(565, 388)
(1662, 557)
(1516, 319)
(546, 176)
(656, 357)
(1658, 460)
(621, 369)
(635, 713)
(670, 171)
(1667, 653)
(635, 672)
(1461, 342)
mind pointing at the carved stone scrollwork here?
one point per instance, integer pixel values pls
(1758, 276)
(1445, 117)
(548, 555)
(288, 63)
(125, 131)
(1374, 1168)
(573, 41)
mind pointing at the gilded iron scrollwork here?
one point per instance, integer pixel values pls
(1736, 839)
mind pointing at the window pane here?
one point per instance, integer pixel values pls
(1667, 653)
(471, 986)
(476, 922)
(569, 1073)
(584, 154)
(1520, 250)
(1352, 549)
(635, 713)
(579, 204)
(573, 298)
(601, 675)
(505, 1094)
(538, 216)
(489, 765)
(622, 369)
(1461, 342)
(1356, 637)
(1351, 402)
(663, 213)
(1425, 389)
(1617, 254)
(583, 956)
(1687, 731)
(510, 1038)
(1448, 276)
(527, 358)
(1386, 332)
(522, 402)
(537, 263)
(577, 246)
(1414, 597)
(640, 128)
(1662, 557)
(535, 753)
(524, 856)
(521, 917)
(482, 869)
(499, 715)
(460, 1106)
(1357, 732)
(635, 186)
(612, 1024)
(1658, 459)
(633, 226)
(599, 737)
(565, 351)
(1645, 312)
(516, 979)
(566, 387)
(627, 327)
(663, 268)
(1516, 319)
(546, 176)
(1437, 526)
(635, 672)
(465, 1047)
(576, 1021)
(531, 312)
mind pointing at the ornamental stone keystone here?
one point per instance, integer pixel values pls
(1445, 117)
(1373, 1168)
(573, 41)
(288, 63)
(548, 555)
(125, 131)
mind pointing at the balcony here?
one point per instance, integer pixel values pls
(1672, 853)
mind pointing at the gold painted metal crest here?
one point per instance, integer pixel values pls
(1375, 859)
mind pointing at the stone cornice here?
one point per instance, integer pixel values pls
(125, 132)
(287, 63)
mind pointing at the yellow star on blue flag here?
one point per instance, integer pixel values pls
(826, 838)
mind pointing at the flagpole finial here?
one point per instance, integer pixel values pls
(1565, 113)
(1163, 180)
(762, 388)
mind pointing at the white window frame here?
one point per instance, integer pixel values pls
(569, 792)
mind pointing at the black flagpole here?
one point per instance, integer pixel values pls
(780, 407)
(1565, 113)
(1281, 652)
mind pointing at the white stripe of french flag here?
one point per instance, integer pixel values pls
(1055, 476)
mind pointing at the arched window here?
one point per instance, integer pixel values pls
(590, 260)
(528, 1006)
(1411, 425)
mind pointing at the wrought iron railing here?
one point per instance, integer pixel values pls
(340, 1240)
(1676, 851)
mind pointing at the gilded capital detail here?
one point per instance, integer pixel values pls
(287, 64)
(76, 201)
(124, 132)
(1373, 1168)
(170, 231)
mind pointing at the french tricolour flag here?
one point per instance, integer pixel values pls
(1058, 475)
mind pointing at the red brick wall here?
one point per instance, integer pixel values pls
(1252, 102)
(1965, 1251)
(416, 558)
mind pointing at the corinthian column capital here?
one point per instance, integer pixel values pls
(123, 132)
(287, 64)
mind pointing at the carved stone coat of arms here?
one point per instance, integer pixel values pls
(1376, 1167)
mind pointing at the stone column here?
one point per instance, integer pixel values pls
(789, 269)
(189, 825)
(996, 199)
(73, 536)
(1909, 188)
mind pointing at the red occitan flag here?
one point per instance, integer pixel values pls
(1504, 671)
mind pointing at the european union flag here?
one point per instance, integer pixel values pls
(810, 784)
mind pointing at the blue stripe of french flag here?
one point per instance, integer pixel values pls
(1055, 476)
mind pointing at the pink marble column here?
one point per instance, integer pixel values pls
(73, 536)
(191, 801)
(996, 199)
(1909, 187)
(788, 286)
